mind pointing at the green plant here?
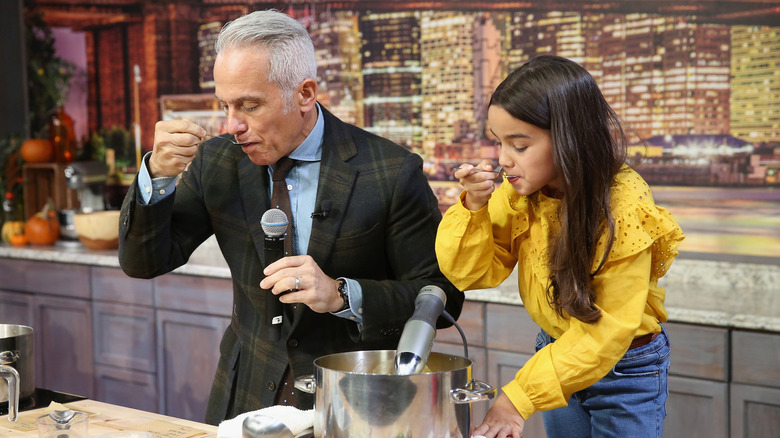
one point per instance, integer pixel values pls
(48, 76)
(11, 170)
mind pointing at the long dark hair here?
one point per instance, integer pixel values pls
(589, 147)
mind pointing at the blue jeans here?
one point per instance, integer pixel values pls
(630, 401)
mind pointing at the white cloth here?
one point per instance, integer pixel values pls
(295, 419)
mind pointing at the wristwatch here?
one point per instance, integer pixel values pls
(343, 293)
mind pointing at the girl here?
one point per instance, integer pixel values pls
(589, 244)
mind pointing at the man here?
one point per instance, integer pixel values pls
(364, 218)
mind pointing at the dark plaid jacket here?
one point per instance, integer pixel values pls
(380, 232)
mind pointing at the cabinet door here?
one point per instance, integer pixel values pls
(696, 408)
(188, 347)
(755, 411)
(124, 336)
(64, 358)
(502, 367)
(16, 308)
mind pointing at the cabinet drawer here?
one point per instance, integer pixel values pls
(213, 296)
(127, 388)
(699, 351)
(63, 279)
(471, 321)
(509, 328)
(111, 284)
(755, 358)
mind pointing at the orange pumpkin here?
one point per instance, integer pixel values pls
(43, 228)
(37, 150)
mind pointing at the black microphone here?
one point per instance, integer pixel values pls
(324, 210)
(274, 223)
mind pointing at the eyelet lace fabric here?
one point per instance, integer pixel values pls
(639, 224)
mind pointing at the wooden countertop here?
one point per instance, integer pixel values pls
(104, 417)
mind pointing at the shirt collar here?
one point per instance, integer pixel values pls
(311, 148)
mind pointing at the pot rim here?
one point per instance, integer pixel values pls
(436, 359)
(14, 330)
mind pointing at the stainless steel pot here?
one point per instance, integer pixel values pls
(358, 395)
(16, 365)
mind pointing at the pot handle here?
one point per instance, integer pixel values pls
(306, 384)
(9, 357)
(475, 390)
(12, 377)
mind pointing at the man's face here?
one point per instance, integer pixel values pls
(255, 108)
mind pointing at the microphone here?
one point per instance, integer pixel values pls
(324, 210)
(274, 223)
(416, 341)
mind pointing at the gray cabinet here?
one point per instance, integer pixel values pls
(16, 308)
(755, 391)
(187, 361)
(124, 337)
(63, 345)
(698, 403)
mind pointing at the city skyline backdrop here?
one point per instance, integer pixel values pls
(423, 78)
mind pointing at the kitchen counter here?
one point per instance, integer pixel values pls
(105, 417)
(726, 293)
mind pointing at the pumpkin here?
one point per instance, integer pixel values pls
(37, 150)
(43, 228)
(11, 228)
(19, 239)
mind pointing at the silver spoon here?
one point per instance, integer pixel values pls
(226, 138)
(264, 426)
(497, 170)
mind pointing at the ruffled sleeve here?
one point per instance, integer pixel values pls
(476, 249)
(640, 224)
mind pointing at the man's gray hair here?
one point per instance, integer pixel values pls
(291, 57)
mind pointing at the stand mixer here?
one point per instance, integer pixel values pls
(88, 179)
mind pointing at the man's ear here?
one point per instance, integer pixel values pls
(307, 94)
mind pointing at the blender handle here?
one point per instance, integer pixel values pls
(12, 377)
(306, 384)
(475, 390)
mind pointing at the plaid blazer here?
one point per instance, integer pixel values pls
(380, 232)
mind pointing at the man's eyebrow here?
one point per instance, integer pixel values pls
(241, 98)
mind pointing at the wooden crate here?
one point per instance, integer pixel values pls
(43, 181)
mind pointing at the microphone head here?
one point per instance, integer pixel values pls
(274, 222)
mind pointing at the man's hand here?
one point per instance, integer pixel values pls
(314, 288)
(175, 145)
(501, 421)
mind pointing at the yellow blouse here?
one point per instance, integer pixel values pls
(479, 249)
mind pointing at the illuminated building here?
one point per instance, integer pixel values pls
(571, 35)
(447, 54)
(663, 75)
(391, 76)
(755, 83)
(337, 46)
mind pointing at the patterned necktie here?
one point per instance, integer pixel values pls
(280, 198)
(286, 394)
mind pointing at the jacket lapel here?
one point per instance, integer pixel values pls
(336, 184)
(253, 185)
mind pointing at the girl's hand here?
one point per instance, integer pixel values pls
(501, 421)
(479, 185)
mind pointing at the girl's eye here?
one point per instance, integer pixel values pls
(520, 148)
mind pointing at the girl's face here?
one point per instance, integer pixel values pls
(525, 152)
